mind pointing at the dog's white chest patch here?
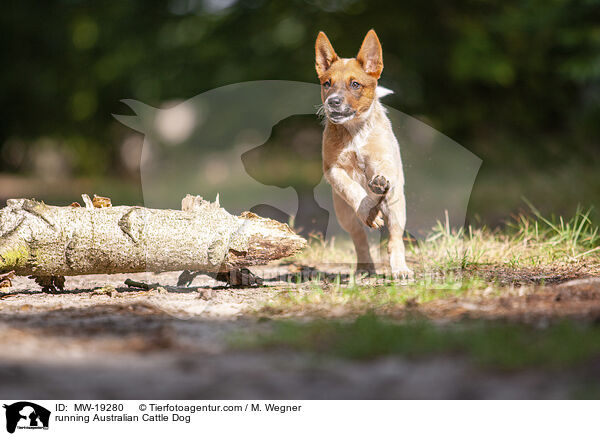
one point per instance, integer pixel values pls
(359, 139)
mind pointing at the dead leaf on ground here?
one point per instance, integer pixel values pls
(5, 279)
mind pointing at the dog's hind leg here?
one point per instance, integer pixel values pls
(350, 222)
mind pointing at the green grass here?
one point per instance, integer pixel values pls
(530, 249)
(492, 345)
(526, 241)
(358, 298)
(455, 269)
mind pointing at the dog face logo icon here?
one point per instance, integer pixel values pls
(258, 145)
(26, 415)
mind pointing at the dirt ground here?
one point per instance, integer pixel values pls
(101, 340)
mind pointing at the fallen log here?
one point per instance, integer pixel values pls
(50, 241)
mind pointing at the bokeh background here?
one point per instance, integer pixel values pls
(517, 82)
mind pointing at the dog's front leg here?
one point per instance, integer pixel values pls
(385, 178)
(396, 221)
(356, 197)
(384, 172)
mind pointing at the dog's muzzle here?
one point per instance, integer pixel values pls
(336, 110)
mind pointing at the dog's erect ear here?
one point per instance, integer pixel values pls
(324, 54)
(370, 56)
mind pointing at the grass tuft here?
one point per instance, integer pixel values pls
(355, 298)
(527, 241)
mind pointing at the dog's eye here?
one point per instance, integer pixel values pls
(327, 84)
(354, 84)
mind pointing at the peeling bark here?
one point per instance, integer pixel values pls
(42, 240)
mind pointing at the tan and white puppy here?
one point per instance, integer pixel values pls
(361, 156)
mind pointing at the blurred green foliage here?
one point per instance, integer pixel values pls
(512, 80)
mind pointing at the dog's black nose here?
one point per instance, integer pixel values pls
(334, 101)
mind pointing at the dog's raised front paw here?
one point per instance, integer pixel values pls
(379, 185)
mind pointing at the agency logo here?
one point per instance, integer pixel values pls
(26, 415)
(258, 146)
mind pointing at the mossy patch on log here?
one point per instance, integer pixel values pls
(14, 258)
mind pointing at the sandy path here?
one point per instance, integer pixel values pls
(86, 343)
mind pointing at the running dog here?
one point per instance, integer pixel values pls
(361, 156)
